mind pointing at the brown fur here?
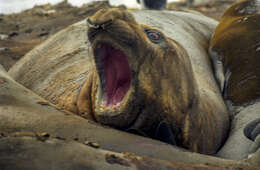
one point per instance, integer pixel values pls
(167, 84)
(163, 85)
(237, 44)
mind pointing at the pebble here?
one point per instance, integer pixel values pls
(3, 49)
(3, 37)
(92, 144)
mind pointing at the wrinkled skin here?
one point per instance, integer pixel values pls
(35, 134)
(235, 49)
(156, 94)
(171, 92)
(235, 42)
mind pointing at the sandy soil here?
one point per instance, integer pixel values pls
(19, 33)
(215, 9)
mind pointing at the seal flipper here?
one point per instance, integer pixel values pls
(84, 104)
(255, 146)
(136, 132)
(252, 132)
(252, 129)
(256, 131)
(164, 133)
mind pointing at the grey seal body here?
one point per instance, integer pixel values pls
(234, 50)
(59, 79)
(238, 146)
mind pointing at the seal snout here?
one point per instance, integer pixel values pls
(105, 17)
(112, 36)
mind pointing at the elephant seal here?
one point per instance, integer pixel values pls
(153, 4)
(140, 71)
(33, 126)
(235, 50)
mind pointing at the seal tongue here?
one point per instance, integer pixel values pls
(117, 75)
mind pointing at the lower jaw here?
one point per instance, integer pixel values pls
(120, 116)
(105, 113)
(113, 108)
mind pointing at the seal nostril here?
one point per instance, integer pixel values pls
(92, 25)
(101, 25)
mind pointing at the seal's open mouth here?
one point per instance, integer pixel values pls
(114, 72)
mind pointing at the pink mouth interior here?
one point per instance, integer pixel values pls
(117, 75)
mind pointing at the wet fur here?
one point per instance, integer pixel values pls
(236, 44)
(164, 85)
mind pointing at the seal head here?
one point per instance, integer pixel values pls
(133, 77)
(129, 74)
(143, 82)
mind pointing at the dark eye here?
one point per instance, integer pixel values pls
(153, 35)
